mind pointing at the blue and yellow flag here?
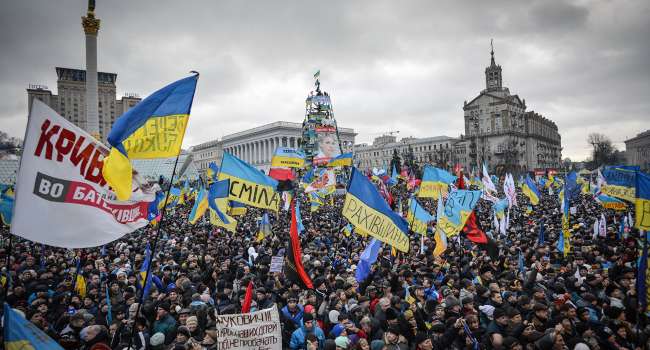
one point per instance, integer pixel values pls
(286, 157)
(434, 181)
(458, 207)
(216, 219)
(610, 202)
(212, 172)
(620, 182)
(200, 206)
(500, 208)
(218, 191)
(367, 210)
(80, 282)
(264, 227)
(237, 208)
(642, 202)
(439, 236)
(249, 185)
(344, 159)
(174, 197)
(530, 190)
(315, 201)
(418, 217)
(145, 281)
(564, 241)
(347, 230)
(21, 334)
(154, 128)
(7, 198)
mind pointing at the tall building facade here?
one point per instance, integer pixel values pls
(503, 135)
(437, 150)
(637, 150)
(257, 145)
(71, 100)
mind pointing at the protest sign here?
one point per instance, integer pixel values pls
(259, 330)
(277, 263)
(62, 199)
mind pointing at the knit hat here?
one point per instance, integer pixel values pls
(498, 312)
(342, 342)
(157, 339)
(192, 320)
(307, 317)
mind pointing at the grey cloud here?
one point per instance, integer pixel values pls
(388, 65)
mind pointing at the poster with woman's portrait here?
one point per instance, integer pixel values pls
(328, 146)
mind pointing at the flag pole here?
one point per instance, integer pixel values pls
(153, 250)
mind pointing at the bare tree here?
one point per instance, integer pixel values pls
(604, 151)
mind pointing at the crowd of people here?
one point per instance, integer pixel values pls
(523, 295)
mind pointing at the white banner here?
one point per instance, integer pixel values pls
(62, 198)
(259, 330)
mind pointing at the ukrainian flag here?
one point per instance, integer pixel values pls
(564, 242)
(315, 201)
(249, 185)
(418, 217)
(80, 281)
(154, 128)
(344, 159)
(237, 208)
(531, 191)
(285, 157)
(218, 193)
(264, 227)
(145, 281)
(440, 237)
(200, 206)
(347, 230)
(216, 220)
(610, 202)
(22, 334)
(642, 201)
(435, 181)
(6, 206)
(366, 209)
(212, 172)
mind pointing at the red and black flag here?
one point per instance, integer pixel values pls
(472, 231)
(294, 270)
(476, 235)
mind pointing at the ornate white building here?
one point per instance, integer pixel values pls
(438, 150)
(501, 133)
(257, 145)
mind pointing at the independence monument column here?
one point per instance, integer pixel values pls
(91, 28)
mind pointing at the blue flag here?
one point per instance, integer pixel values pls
(145, 282)
(541, 237)
(367, 258)
(22, 334)
(301, 227)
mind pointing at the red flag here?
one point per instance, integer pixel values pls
(294, 270)
(248, 299)
(460, 183)
(282, 174)
(472, 231)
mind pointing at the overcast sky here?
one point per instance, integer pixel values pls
(388, 65)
